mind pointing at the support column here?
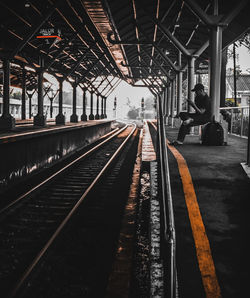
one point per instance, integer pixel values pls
(104, 106)
(102, 114)
(179, 88)
(169, 100)
(91, 115)
(60, 118)
(114, 109)
(40, 119)
(215, 79)
(191, 61)
(23, 116)
(165, 104)
(84, 115)
(223, 78)
(173, 92)
(74, 117)
(6, 120)
(30, 103)
(97, 107)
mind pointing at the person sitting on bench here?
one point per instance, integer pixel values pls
(202, 114)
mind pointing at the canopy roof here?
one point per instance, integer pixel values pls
(98, 43)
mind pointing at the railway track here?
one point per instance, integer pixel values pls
(57, 240)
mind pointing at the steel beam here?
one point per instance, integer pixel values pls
(126, 42)
(89, 69)
(35, 28)
(164, 57)
(169, 35)
(227, 19)
(158, 64)
(196, 9)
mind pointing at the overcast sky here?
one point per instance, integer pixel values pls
(244, 59)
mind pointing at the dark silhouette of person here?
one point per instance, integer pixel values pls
(202, 114)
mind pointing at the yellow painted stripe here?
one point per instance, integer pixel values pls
(203, 250)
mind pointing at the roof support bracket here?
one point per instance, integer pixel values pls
(169, 35)
(126, 42)
(214, 20)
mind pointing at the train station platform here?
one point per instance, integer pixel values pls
(27, 149)
(25, 128)
(210, 192)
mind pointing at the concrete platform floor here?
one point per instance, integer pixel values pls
(222, 190)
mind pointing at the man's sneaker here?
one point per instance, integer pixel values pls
(175, 143)
(188, 121)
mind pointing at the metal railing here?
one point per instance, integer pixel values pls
(238, 123)
(238, 119)
(167, 215)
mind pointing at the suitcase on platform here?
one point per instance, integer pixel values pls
(212, 134)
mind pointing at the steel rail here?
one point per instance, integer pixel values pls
(70, 214)
(64, 168)
(168, 213)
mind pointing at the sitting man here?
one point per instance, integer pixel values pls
(202, 115)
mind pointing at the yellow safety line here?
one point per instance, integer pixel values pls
(203, 249)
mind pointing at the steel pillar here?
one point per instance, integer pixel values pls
(104, 106)
(6, 120)
(223, 78)
(191, 61)
(215, 74)
(179, 88)
(102, 114)
(91, 115)
(169, 100)
(74, 117)
(172, 106)
(84, 115)
(23, 116)
(60, 118)
(97, 107)
(40, 119)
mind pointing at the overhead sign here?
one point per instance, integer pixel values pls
(201, 66)
(51, 35)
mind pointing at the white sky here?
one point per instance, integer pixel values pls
(244, 59)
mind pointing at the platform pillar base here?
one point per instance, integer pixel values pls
(97, 117)
(39, 120)
(60, 119)
(91, 117)
(84, 117)
(74, 118)
(7, 122)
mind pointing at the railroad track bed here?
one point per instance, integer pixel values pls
(46, 252)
